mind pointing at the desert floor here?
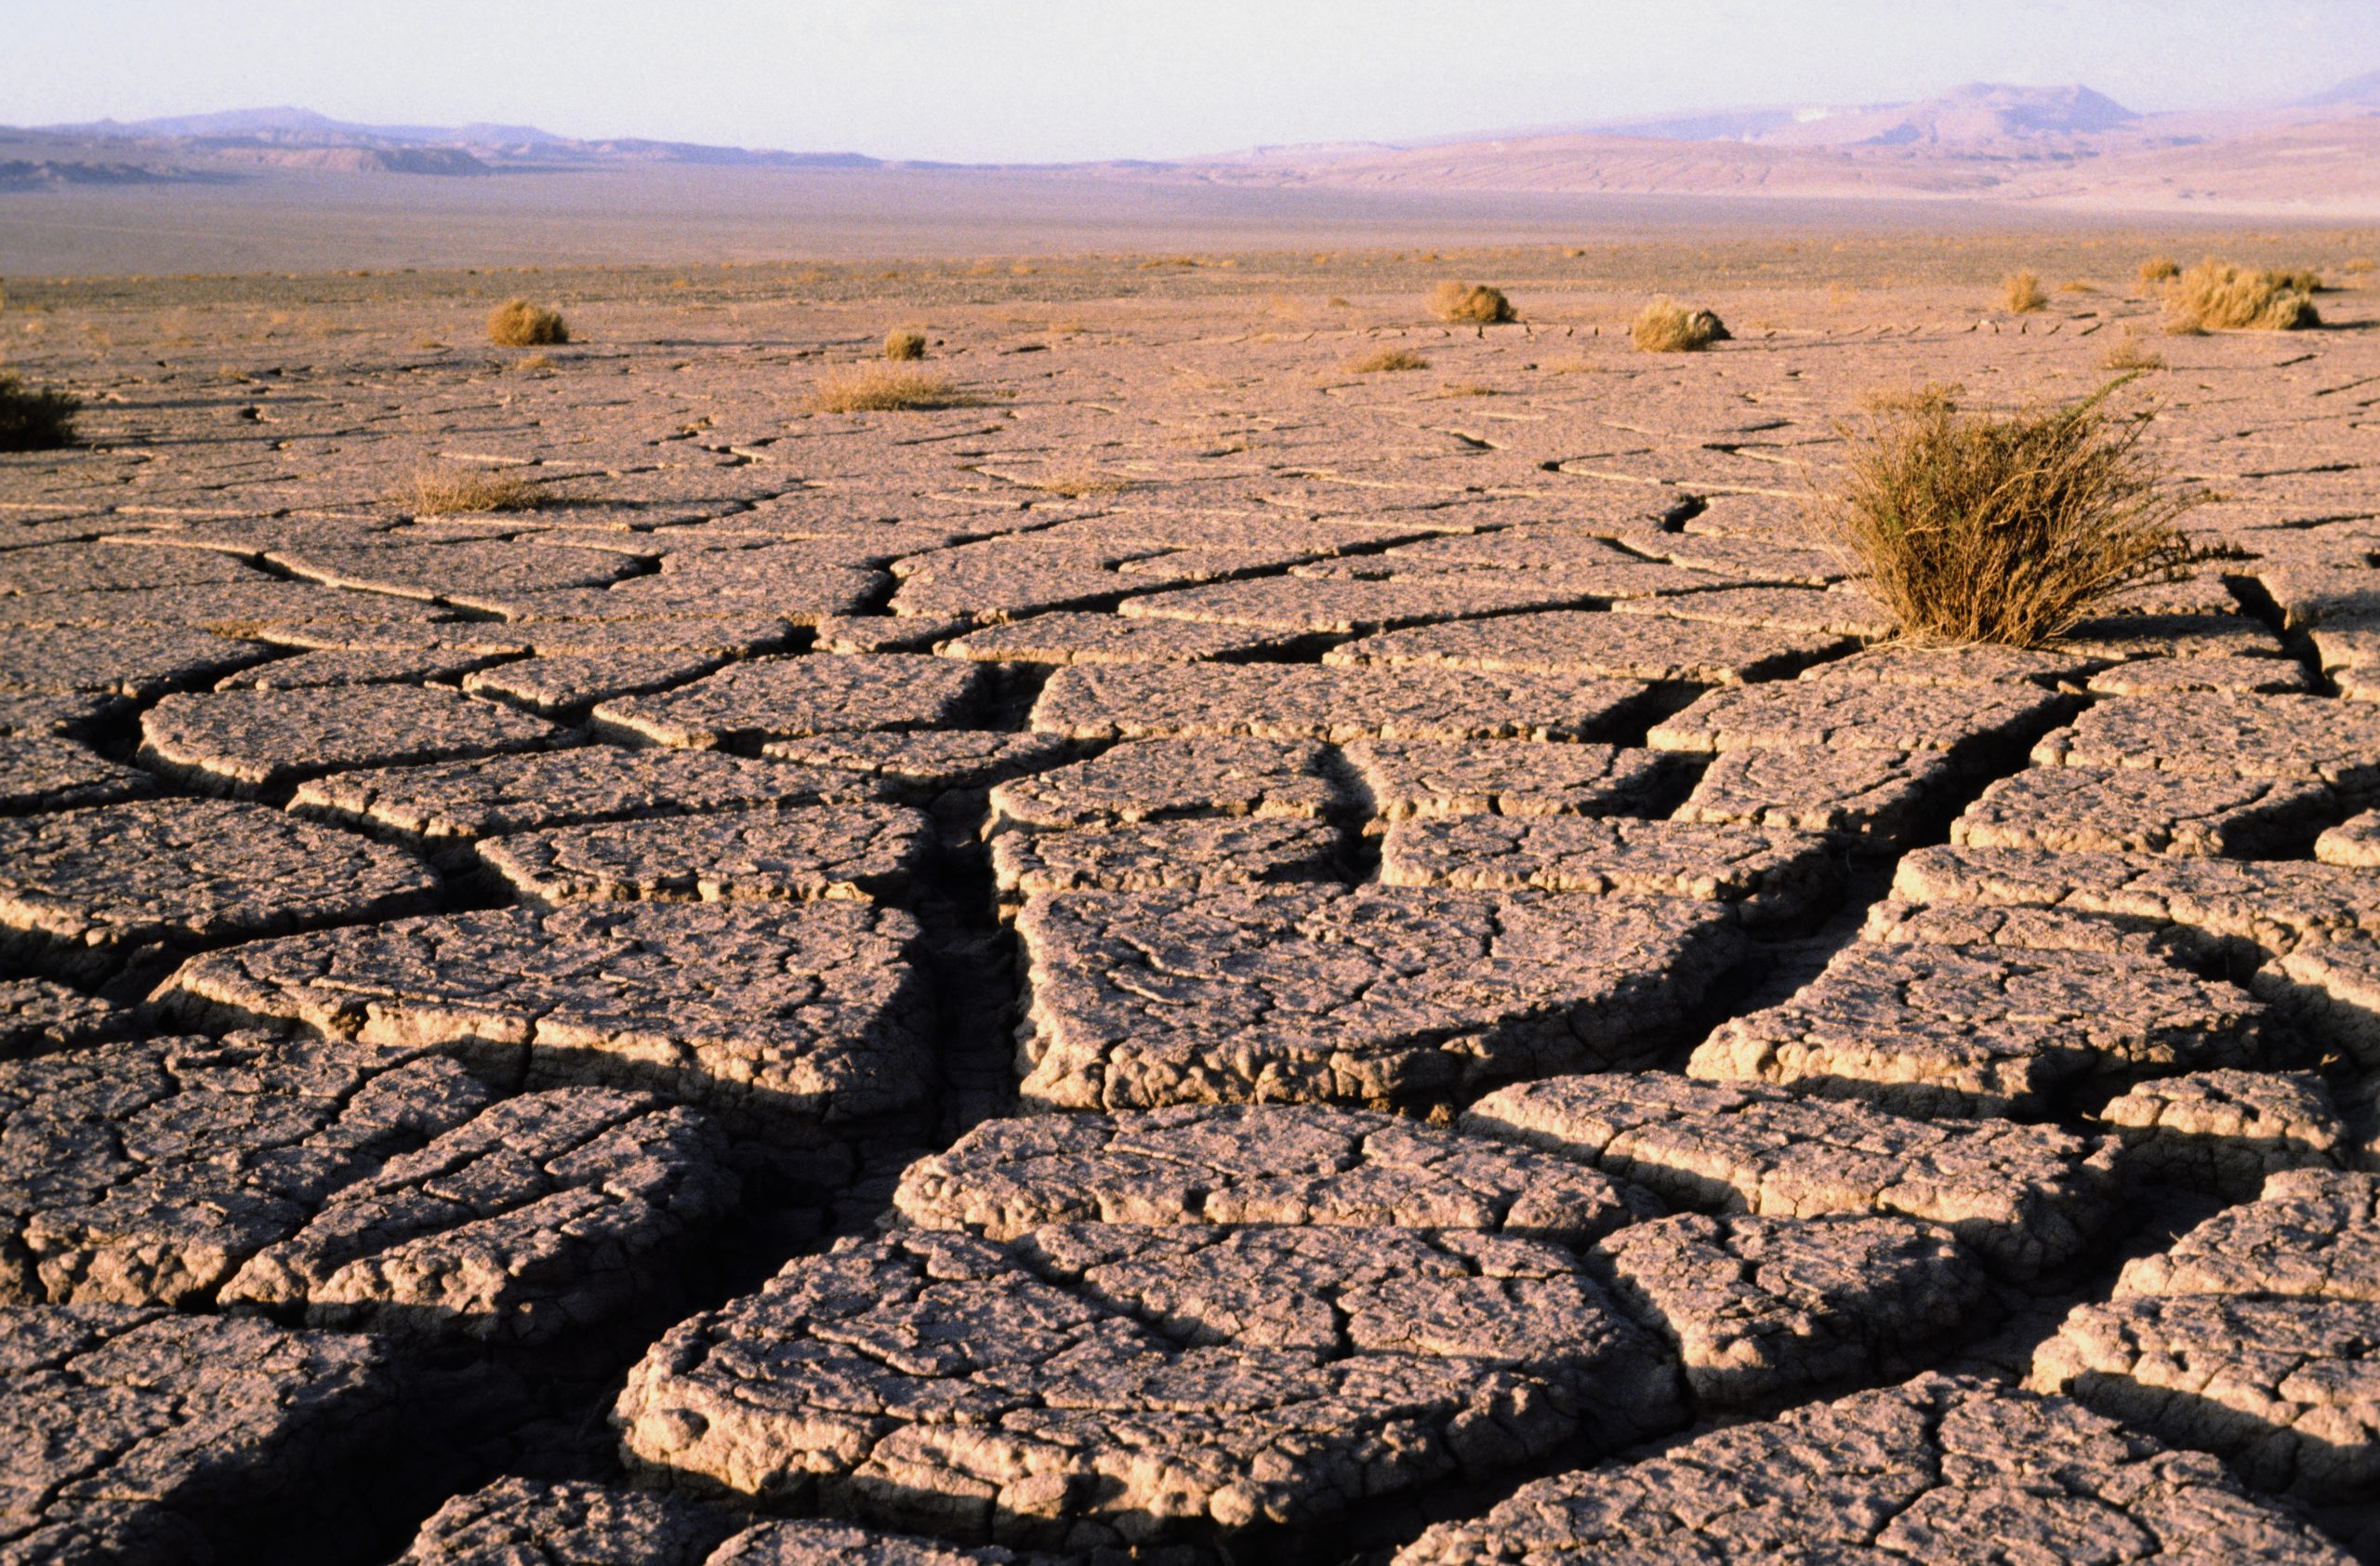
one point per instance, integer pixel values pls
(1194, 953)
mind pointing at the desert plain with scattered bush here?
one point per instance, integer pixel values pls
(1184, 906)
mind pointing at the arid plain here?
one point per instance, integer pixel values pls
(1192, 951)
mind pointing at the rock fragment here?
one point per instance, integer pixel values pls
(1110, 1385)
(1413, 779)
(2028, 1199)
(1765, 876)
(256, 742)
(2095, 810)
(1984, 1031)
(1374, 995)
(1305, 701)
(88, 892)
(1936, 1469)
(749, 704)
(809, 1023)
(1150, 856)
(1288, 1165)
(867, 853)
(135, 1434)
(1758, 1307)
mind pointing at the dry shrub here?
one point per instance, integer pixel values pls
(35, 419)
(2358, 266)
(1387, 360)
(2216, 296)
(1076, 486)
(518, 324)
(2128, 352)
(1462, 303)
(1466, 388)
(2158, 269)
(2021, 291)
(535, 364)
(2078, 286)
(1667, 326)
(469, 491)
(900, 343)
(1968, 527)
(879, 389)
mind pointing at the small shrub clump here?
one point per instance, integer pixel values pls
(880, 389)
(2022, 292)
(2128, 352)
(1468, 303)
(1968, 527)
(470, 492)
(2158, 269)
(35, 419)
(2216, 296)
(1387, 361)
(1080, 486)
(901, 343)
(518, 324)
(1667, 326)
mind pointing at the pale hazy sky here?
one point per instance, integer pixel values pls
(982, 80)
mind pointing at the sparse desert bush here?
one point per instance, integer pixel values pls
(1970, 528)
(880, 389)
(2216, 296)
(1077, 485)
(35, 419)
(2128, 352)
(1467, 389)
(2078, 286)
(2021, 291)
(1384, 360)
(2158, 269)
(518, 324)
(469, 491)
(2358, 266)
(1667, 326)
(535, 364)
(901, 343)
(1465, 302)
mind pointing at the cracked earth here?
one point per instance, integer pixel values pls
(1197, 957)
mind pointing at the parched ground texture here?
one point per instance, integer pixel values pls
(1193, 954)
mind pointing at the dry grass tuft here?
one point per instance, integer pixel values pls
(1466, 388)
(2158, 269)
(518, 324)
(901, 343)
(880, 389)
(535, 364)
(2021, 291)
(2216, 296)
(1079, 485)
(2358, 266)
(35, 419)
(2128, 352)
(1386, 361)
(1667, 326)
(1968, 527)
(470, 492)
(1464, 302)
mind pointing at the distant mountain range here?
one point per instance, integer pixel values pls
(2066, 146)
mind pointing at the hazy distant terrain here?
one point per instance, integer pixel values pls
(284, 189)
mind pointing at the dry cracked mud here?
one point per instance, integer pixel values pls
(1197, 957)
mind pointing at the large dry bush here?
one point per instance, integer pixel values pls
(1667, 326)
(881, 389)
(1387, 361)
(1464, 302)
(2216, 296)
(469, 491)
(520, 324)
(1971, 527)
(34, 419)
(901, 343)
(2022, 292)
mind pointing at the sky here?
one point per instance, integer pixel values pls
(1053, 80)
